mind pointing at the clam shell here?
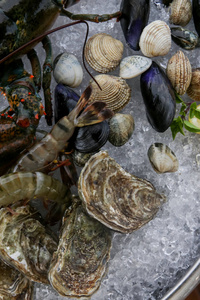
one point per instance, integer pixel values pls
(162, 158)
(115, 92)
(132, 66)
(116, 198)
(179, 72)
(121, 129)
(181, 12)
(103, 52)
(155, 39)
(67, 70)
(194, 88)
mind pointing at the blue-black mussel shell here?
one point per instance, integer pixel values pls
(135, 16)
(159, 97)
(196, 14)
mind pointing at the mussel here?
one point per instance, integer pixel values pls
(135, 16)
(184, 38)
(162, 2)
(196, 14)
(159, 97)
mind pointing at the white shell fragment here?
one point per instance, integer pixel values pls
(155, 39)
(132, 66)
(162, 158)
(67, 70)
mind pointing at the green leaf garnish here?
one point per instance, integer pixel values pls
(176, 127)
(190, 127)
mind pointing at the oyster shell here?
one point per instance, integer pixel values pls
(82, 255)
(115, 92)
(118, 199)
(179, 72)
(132, 66)
(193, 90)
(181, 12)
(155, 39)
(103, 52)
(162, 158)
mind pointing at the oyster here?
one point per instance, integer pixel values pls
(181, 12)
(115, 92)
(103, 52)
(118, 199)
(193, 90)
(162, 158)
(82, 255)
(132, 66)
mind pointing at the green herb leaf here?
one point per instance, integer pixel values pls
(182, 110)
(190, 127)
(178, 98)
(197, 113)
(193, 107)
(176, 127)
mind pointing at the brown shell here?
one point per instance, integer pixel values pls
(179, 72)
(115, 92)
(181, 12)
(116, 198)
(194, 88)
(103, 52)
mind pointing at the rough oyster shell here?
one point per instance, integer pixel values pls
(132, 66)
(103, 52)
(162, 158)
(193, 90)
(119, 200)
(181, 12)
(82, 255)
(179, 72)
(155, 39)
(115, 92)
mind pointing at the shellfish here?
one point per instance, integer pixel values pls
(155, 39)
(121, 129)
(103, 52)
(179, 72)
(82, 255)
(181, 12)
(132, 66)
(162, 158)
(67, 70)
(196, 14)
(80, 158)
(118, 199)
(115, 92)
(193, 90)
(184, 38)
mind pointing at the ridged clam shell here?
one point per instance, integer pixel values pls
(132, 66)
(194, 88)
(103, 52)
(67, 70)
(162, 158)
(181, 12)
(114, 197)
(155, 39)
(121, 129)
(115, 92)
(179, 72)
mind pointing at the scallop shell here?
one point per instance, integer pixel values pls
(132, 66)
(162, 158)
(155, 39)
(121, 129)
(115, 92)
(194, 88)
(114, 197)
(103, 52)
(67, 70)
(181, 12)
(179, 72)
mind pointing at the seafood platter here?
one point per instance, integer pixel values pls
(99, 149)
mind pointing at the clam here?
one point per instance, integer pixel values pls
(184, 38)
(181, 12)
(116, 198)
(132, 66)
(103, 52)
(82, 255)
(194, 88)
(115, 92)
(67, 70)
(155, 39)
(179, 72)
(162, 158)
(121, 129)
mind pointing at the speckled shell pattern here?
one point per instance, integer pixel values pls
(118, 199)
(115, 92)
(194, 88)
(162, 158)
(179, 72)
(103, 52)
(181, 12)
(155, 39)
(132, 66)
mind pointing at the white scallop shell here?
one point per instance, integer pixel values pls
(155, 39)
(67, 70)
(132, 66)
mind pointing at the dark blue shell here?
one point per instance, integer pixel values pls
(159, 97)
(135, 15)
(196, 14)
